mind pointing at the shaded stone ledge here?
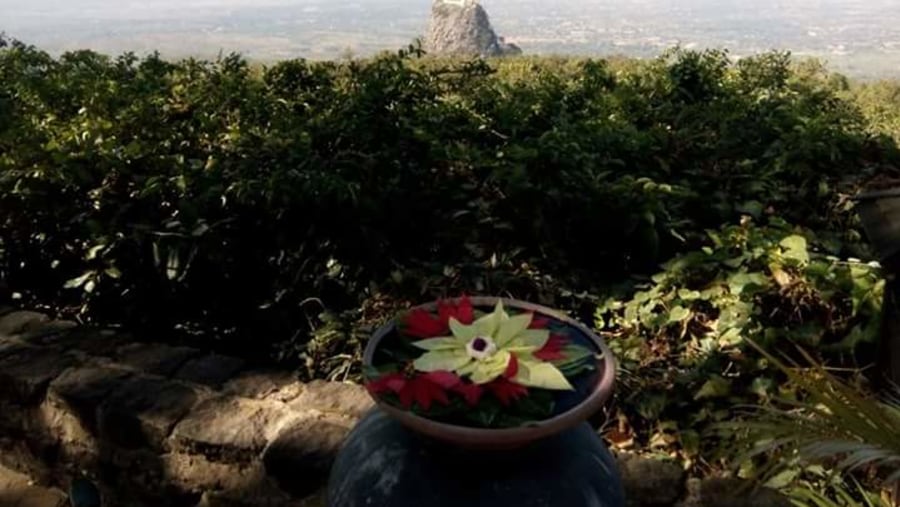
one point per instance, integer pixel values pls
(161, 425)
(230, 429)
(157, 425)
(18, 490)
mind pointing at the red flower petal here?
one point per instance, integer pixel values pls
(407, 395)
(445, 311)
(393, 382)
(426, 392)
(506, 391)
(421, 394)
(461, 311)
(437, 393)
(396, 382)
(445, 379)
(424, 389)
(538, 322)
(422, 324)
(470, 392)
(552, 350)
(464, 312)
(512, 368)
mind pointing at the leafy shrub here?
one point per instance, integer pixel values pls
(838, 425)
(880, 103)
(240, 205)
(681, 337)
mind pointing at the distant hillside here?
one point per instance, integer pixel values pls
(858, 37)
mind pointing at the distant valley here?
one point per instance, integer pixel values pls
(858, 37)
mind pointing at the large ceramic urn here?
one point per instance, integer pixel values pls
(879, 212)
(397, 457)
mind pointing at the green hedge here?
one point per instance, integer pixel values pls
(681, 336)
(235, 203)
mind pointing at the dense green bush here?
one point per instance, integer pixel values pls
(239, 205)
(681, 336)
(880, 104)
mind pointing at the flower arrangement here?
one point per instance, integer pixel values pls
(492, 369)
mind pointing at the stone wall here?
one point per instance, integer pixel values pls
(159, 425)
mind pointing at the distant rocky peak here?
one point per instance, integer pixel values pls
(458, 3)
(462, 28)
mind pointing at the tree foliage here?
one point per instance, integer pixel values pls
(261, 208)
(687, 203)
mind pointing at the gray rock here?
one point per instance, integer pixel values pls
(21, 322)
(729, 492)
(143, 411)
(80, 391)
(301, 457)
(265, 385)
(155, 358)
(24, 376)
(17, 490)
(211, 370)
(91, 342)
(195, 472)
(230, 429)
(462, 28)
(44, 333)
(263, 493)
(349, 400)
(11, 345)
(649, 482)
(19, 455)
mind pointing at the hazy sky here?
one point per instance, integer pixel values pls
(857, 34)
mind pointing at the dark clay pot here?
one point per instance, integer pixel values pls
(879, 212)
(394, 458)
(591, 392)
(383, 464)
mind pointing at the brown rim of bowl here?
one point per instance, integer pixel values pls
(506, 436)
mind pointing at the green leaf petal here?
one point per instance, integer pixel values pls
(448, 343)
(542, 375)
(531, 338)
(678, 314)
(441, 361)
(487, 370)
(488, 324)
(795, 248)
(511, 328)
(462, 331)
(467, 370)
(78, 282)
(574, 354)
(715, 387)
(521, 351)
(740, 281)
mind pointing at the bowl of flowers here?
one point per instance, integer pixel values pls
(488, 373)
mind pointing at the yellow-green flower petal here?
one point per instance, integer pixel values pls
(521, 351)
(461, 331)
(502, 336)
(467, 369)
(487, 370)
(541, 375)
(536, 338)
(442, 361)
(488, 324)
(511, 328)
(448, 343)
